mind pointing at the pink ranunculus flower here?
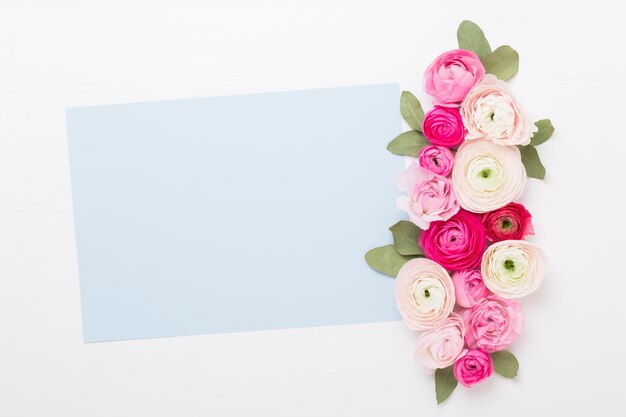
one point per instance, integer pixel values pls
(512, 221)
(444, 126)
(439, 347)
(451, 75)
(424, 294)
(437, 159)
(457, 243)
(493, 324)
(430, 196)
(472, 367)
(490, 111)
(469, 287)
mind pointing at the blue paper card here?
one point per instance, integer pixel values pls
(236, 213)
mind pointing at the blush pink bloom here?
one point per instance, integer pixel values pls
(493, 324)
(437, 159)
(472, 367)
(430, 196)
(444, 126)
(439, 347)
(451, 76)
(457, 243)
(512, 221)
(469, 287)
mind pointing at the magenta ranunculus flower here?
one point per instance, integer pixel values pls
(493, 324)
(511, 222)
(469, 287)
(457, 243)
(451, 76)
(472, 367)
(437, 159)
(444, 126)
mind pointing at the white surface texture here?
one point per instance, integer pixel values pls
(56, 54)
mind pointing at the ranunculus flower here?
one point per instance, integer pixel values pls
(469, 287)
(512, 221)
(493, 323)
(437, 159)
(444, 126)
(451, 75)
(457, 243)
(430, 196)
(513, 268)
(472, 367)
(489, 111)
(439, 347)
(424, 294)
(487, 176)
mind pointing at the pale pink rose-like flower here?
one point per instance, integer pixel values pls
(490, 111)
(441, 346)
(472, 367)
(424, 294)
(430, 196)
(469, 287)
(437, 159)
(493, 324)
(487, 176)
(451, 75)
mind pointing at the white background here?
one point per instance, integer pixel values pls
(55, 54)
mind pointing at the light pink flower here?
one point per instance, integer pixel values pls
(493, 324)
(441, 346)
(490, 111)
(472, 367)
(469, 287)
(437, 159)
(424, 294)
(430, 196)
(451, 75)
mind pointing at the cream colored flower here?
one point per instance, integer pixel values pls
(490, 111)
(424, 294)
(441, 346)
(487, 176)
(513, 268)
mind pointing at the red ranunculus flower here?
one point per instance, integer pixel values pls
(512, 221)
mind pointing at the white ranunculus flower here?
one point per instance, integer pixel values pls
(513, 268)
(441, 346)
(487, 176)
(490, 111)
(424, 294)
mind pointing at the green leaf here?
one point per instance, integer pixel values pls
(503, 62)
(505, 363)
(411, 110)
(408, 143)
(386, 260)
(445, 383)
(472, 38)
(532, 163)
(544, 133)
(405, 238)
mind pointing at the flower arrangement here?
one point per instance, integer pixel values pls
(461, 261)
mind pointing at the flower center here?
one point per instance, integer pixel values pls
(506, 224)
(492, 115)
(509, 265)
(426, 293)
(485, 173)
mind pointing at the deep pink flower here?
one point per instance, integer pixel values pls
(451, 75)
(472, 367)
(457, 243)
(493, 324)
(444, 126)
(437, 159)
(469, 287)
(511, 222)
